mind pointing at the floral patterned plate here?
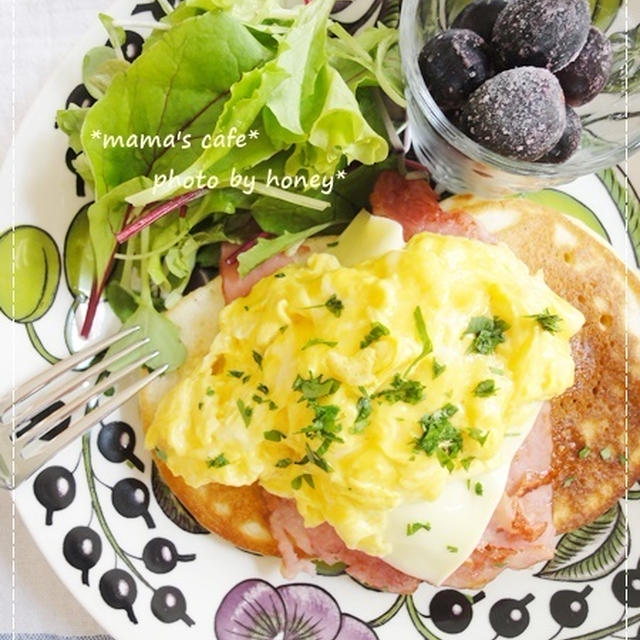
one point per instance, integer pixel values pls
(131, 553)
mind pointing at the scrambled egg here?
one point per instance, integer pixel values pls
(355, 390)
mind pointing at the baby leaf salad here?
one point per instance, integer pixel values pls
(241, 121)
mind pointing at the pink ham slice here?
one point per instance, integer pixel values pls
(519, 534)
(414, 204)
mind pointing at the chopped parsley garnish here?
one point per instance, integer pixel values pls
(314, 341)
(200, 406)
(280, 275)
(485, 389)
(314, 388)
(466, 462)
(257, 358)
(402, 390)
(584, 452)
(161, 454)
(334, 304)
(414, 527)
(283, 328)
(498, 372)
(324, 423)
(284, 462)
(316, 457)
(234, 373)
(478, 435)
(333, 244)
(478, 488)
(246, 412)
(363, 407)
(427, 345)
(439, 436)
(488, 333)
(376, 332)
(262, 388)
(274, 435)
(452, 549)
(568, 481)
(272, 405)
(547, 321)
(210, 391)
(437, 368)
(246, 379)
(296, 483)
(257, 399)
(217, 462)
(605, 453)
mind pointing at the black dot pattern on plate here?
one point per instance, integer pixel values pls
(132, 46)
(168, 604)
(153, 7)
(451, 611)
(161, 556)
(82, 548)
(55, 490)
(130, 498)
(509, 618)
(118, 589)
(117, 441)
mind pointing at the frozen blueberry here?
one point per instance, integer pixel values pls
(480, 16)
(569, 141)
(585, 77)
(520, 113)
(541, 33)
(453, 64)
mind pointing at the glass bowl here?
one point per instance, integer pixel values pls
(611, 122)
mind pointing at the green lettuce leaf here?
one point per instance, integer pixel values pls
(178, 85)
(266, 248)
(70, 122)
(99, 67)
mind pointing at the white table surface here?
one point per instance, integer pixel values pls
(44, 31)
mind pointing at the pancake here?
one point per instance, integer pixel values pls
(593, 413)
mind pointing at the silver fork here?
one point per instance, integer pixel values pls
(22, 449)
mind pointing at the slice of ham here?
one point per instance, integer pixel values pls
(519, 534)
(235, 286)
(414, 204)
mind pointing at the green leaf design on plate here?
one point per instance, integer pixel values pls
(390, 13)
(79, 261)
(614, 181)
(625, 73)
(171, 506)
(610, 554)
(36, 273)
(603, 12)
(569, 205)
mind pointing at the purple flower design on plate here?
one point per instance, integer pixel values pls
(255, 610)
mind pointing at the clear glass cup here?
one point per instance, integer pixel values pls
(611, 121)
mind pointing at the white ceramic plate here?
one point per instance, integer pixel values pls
(157, 574)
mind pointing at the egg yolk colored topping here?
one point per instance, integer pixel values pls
(356, 390)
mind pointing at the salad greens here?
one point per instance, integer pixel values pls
(185, 145)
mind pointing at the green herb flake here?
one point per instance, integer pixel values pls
(274, 435)
(606, 453)
(427, 345)
(479, 435)
(272, 405)
(568, 481)
(283, 328)
(478, 489)
(210, 391)
(414, 527)
(217, 462)
(485, 389)
(280, 275)
(246, 412)
(402, 390)
(547, 321)
(466, 462)
(314, 388)
(109, 392)
(333, 244)
(161, 454)
(296, 483)
(200, 406)
(334, 305)
(262, 388)
(257, 358)
(283, 463)
(488, 333)
(439, 436)
(257, 399)
(437, 369)
(234, 373)
(314, 341)
(584, 453)
(364, 409)
(376, 332)
(452, 549)
(246, 379)
(498, 372)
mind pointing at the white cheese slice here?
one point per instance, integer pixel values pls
(458, 517)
